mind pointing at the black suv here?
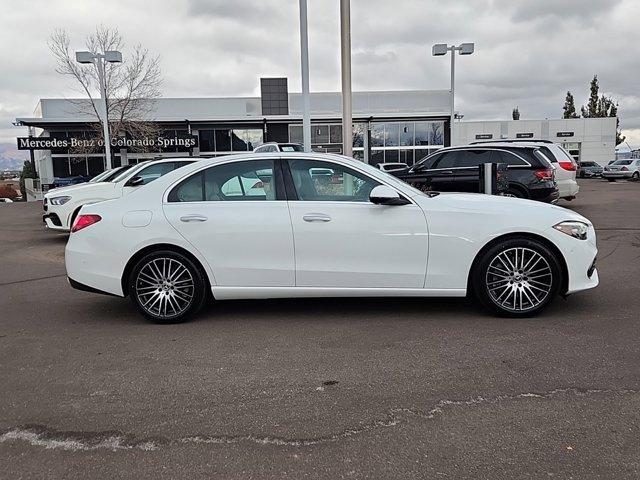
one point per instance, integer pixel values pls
(455, 169)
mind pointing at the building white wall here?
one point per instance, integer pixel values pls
(596, 136)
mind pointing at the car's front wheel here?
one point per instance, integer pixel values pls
(167, 287)
(517, 277)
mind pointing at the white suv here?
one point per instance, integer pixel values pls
(61, 205)
(562, 162)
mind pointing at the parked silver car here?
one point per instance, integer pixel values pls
(590, 169)
(628, 168)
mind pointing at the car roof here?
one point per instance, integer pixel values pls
(495, 146)
(512, 140)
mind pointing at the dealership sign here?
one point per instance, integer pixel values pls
(484, 136)
(159, 142)
(565, 134)
(524, 135)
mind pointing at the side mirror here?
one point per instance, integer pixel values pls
(135, 181)
(383, 195)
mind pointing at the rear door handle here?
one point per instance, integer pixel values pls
(193, 218)
(316, 217)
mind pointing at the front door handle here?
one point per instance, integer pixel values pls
(316, 217)
(193, 218)
(447, 172)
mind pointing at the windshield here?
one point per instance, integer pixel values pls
(391, 179)
(292, 148)
(102, 176)
(622, 162)
(123, 174)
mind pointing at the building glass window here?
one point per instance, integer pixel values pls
(60, 166)
(377, 135)
(335, 133)
(207, 143)
(359, 132)
(319, 134)
(391, 134)
(295, 133)
(407, 134)
(223, 141)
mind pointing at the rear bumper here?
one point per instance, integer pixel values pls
(546, 195)
(568, 188)
(93, 269)
(87, 288)
(617, 174)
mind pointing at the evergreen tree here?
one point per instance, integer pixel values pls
(569, 107)
(594, 99)
(515, 113)
(28, 171)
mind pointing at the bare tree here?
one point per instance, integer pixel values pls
(132, 86)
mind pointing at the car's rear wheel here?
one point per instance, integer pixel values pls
(635, 176)
(514, 193)
(167, 287)
(517, 277)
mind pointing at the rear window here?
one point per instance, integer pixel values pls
(549, 154)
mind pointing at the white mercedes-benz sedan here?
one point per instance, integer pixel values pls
(266, 225)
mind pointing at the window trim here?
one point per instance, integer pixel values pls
(292, 194)
(279, 185)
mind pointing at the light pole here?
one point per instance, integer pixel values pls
(98, 59)
(304, 66)
(345, 56)
(440, 49)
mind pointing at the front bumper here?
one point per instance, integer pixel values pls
(52, 222)
(580, 257)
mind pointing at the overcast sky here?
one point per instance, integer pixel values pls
(528, 52)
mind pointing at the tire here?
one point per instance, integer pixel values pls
(611, 179)
(635, 176)
(514, 192)
(510, 292)
(582, 175)
(167, 287)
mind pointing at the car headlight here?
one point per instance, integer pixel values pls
(573, 228)
(59, 200)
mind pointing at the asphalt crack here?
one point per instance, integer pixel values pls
(41, 436)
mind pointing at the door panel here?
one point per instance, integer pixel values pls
(359, 245)
(343, 240)
(229, 212)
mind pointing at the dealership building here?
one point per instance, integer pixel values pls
(388, 126)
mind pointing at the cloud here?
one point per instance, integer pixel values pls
(528, 52)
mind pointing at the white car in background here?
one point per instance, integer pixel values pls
(622, 169)
(190, 235)
(563, 163)
(61, 205)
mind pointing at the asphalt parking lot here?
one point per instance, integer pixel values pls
(374, 388)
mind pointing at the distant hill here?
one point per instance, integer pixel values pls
(11, 158)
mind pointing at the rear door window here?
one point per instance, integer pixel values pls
(472, 158)
(503, 156)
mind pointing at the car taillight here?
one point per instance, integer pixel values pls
(568, 166)
(546, 174)
(624, 169)
(83, 221)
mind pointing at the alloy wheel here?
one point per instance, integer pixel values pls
(519, 279)
(165, 287)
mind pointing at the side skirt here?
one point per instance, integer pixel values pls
(234, 293)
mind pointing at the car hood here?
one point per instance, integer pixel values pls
(82, 188)
(520, 210)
